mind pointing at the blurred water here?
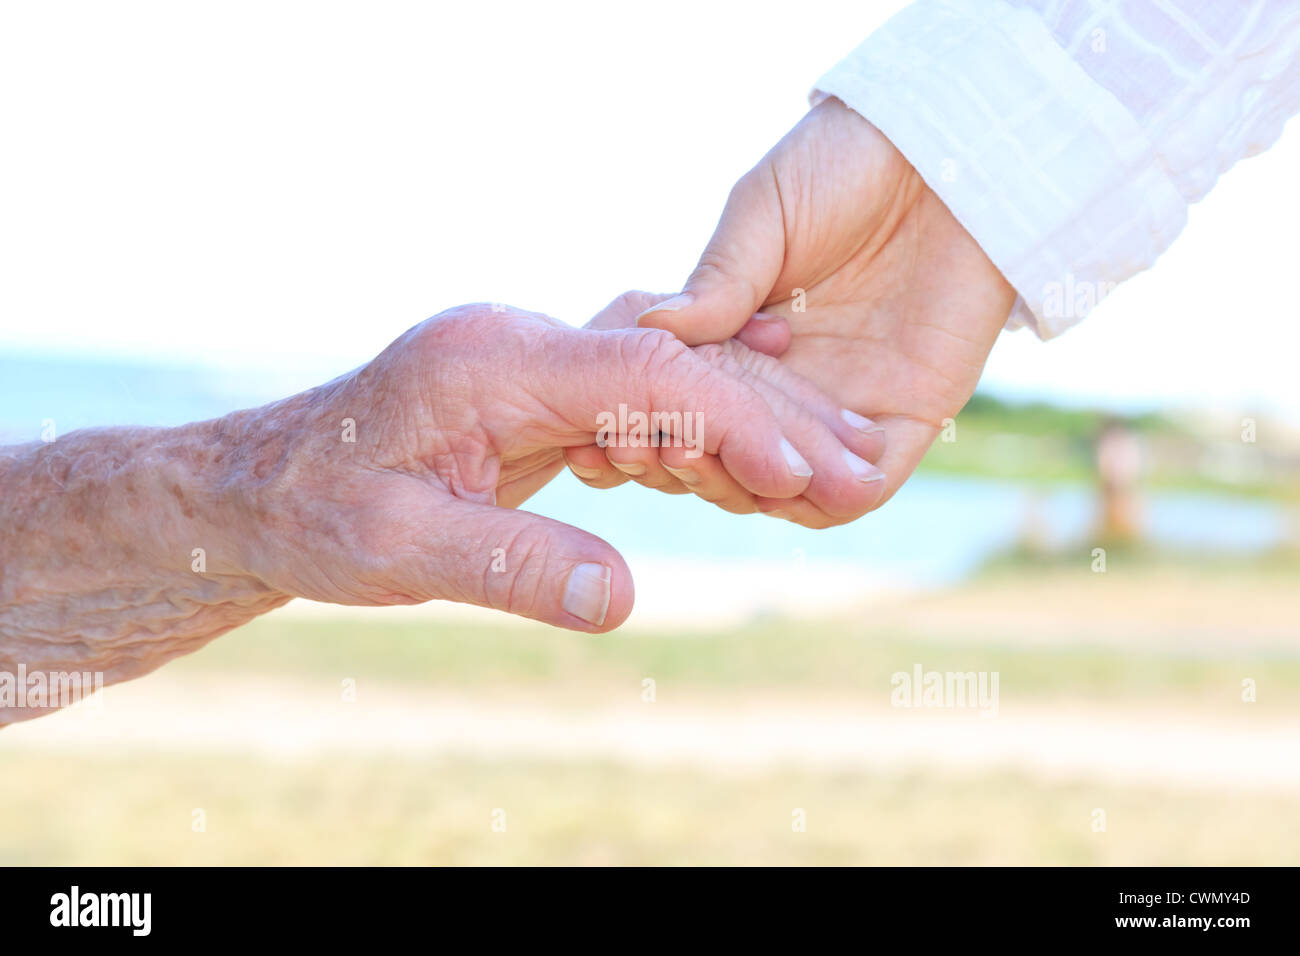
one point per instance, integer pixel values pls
(935, 530)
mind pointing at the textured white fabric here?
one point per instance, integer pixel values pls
(1069, 136)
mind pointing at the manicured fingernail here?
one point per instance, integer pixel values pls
(767, 317)
(675, 304)
(687, 476)
(632, 469)
(862, 470)
(587, 593)
(861, 424)
(798, 467)
(591, 474)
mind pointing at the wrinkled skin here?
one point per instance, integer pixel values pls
(902, 306)
(466, 415)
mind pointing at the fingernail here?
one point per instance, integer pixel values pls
(798, 467)
(688, 476)
(767, 317)
(587, 593)
(632, 469)
(861, 424)
(862, 470)
(778, 513)
(591, 474)
(675, 304)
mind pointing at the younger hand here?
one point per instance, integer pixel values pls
(893, 307)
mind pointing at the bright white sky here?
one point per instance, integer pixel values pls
(293, 184)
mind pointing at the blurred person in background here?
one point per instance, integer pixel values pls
(1118, 454)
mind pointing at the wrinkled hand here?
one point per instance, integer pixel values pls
(395, 484)
(899, 306)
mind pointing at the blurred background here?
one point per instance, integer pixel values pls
(206, 207)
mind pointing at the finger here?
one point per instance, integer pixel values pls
(706, 478)
(861, 435)
(906, 442)
(799, 511)
(589, 464)
(844, 485)
(636, 382)
(622, 312)
(515, 492)
(641, 464)
(736, 273)
(524, 564)
(766, 333)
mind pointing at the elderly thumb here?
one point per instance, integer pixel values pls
(531, 566)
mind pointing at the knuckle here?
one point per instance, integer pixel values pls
(653, 352)
(716, 265)
(749, 188)
(472, 323)
(633, 302)
(720, 355)
(659, 345)
(842, 507)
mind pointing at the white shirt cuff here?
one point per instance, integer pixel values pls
(1045, 169)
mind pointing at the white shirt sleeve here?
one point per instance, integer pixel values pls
(1069, 136)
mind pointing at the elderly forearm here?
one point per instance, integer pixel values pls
(120, 549)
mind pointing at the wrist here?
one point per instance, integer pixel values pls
(268, 479)
(203, 516)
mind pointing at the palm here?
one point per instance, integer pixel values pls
(901, 305)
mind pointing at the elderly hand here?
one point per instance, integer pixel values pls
(467, 414)
(892, 305)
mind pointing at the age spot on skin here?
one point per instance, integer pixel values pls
(179, 494)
